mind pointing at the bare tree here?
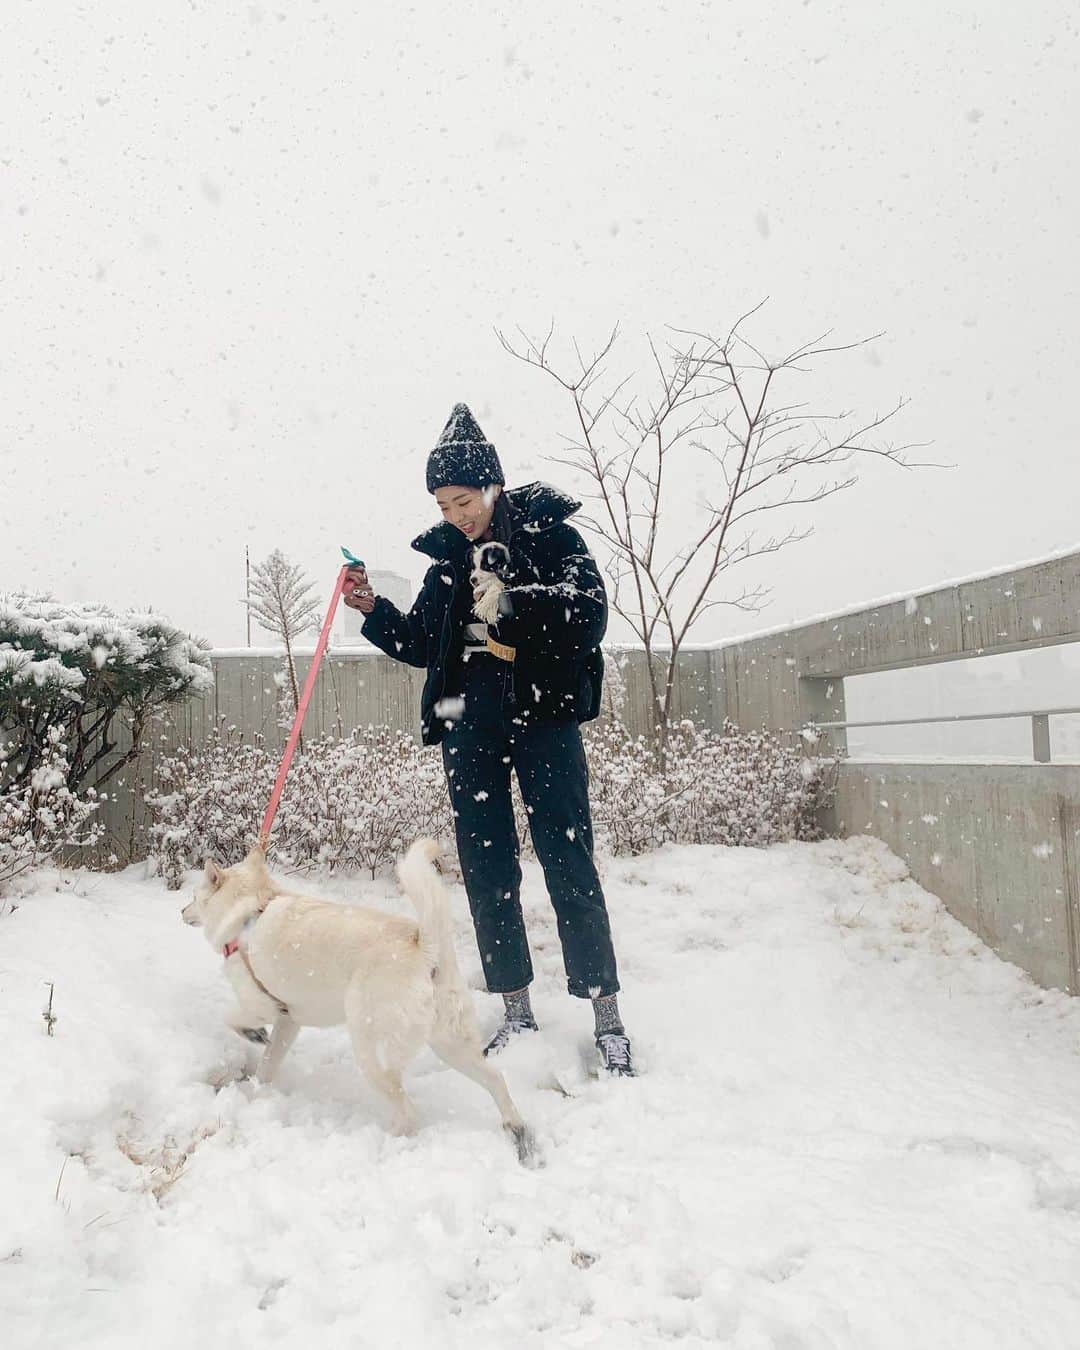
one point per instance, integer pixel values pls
(722, 408)
(281, 603)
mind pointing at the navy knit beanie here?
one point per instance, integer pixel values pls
(462, 455)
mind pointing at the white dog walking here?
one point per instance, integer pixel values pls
(295, 961)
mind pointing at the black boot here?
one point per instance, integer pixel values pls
(510, 1026)
(614, 1047)
(611, 1040)
(518, 1017)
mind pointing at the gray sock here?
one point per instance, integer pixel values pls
(606, 1012)
(518, 1007)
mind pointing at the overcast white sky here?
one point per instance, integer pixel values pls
(252, 254)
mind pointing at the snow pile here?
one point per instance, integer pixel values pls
(855, 1130)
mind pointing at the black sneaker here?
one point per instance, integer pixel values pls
(614, 1047)
(511, 1026)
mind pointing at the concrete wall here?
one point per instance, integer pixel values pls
(999, 843)
(786, 678)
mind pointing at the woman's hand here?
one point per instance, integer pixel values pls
(357, 592)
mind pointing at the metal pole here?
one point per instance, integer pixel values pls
(247, 589)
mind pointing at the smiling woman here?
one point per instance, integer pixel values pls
(509, 631)
(469, 509)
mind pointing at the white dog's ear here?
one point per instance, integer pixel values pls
(264, 885)
(214, 874)
(255, 862)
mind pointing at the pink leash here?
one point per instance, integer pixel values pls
(305, 699)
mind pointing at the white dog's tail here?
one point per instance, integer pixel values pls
(422, 884)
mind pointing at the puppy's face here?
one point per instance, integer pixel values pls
(490, 559)
(222, 887)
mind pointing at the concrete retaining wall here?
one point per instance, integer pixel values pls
(998, 843)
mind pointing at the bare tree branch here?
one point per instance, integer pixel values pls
(714, 404)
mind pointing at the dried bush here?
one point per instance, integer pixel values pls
(703, 787)
(347, 805)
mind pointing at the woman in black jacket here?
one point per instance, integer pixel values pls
(509, 694)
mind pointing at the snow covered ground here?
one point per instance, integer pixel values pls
(855, 1128)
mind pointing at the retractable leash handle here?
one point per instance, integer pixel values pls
(305, 698)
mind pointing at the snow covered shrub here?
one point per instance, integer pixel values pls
(360, 802)
(348, 804)
(85, 672)
(627, 791)
(705, 787)
(753, 789)
(40, 814)
(210, 803)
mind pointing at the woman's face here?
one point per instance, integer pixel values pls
(468, 509)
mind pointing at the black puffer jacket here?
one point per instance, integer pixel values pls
(559, 618)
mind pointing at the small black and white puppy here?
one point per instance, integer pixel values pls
(491, 573)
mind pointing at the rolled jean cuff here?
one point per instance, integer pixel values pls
(591, 990)
(510, 986)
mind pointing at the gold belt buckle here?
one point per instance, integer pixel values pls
(500, 649)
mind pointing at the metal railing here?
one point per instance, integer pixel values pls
(1040, 725)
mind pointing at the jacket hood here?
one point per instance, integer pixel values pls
(535, 507)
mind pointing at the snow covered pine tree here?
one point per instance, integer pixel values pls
(71, 675)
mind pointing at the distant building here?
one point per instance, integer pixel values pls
(397, 589)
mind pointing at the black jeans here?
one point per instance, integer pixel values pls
(478, 753)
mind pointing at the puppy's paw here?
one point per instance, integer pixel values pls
(486, 608)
